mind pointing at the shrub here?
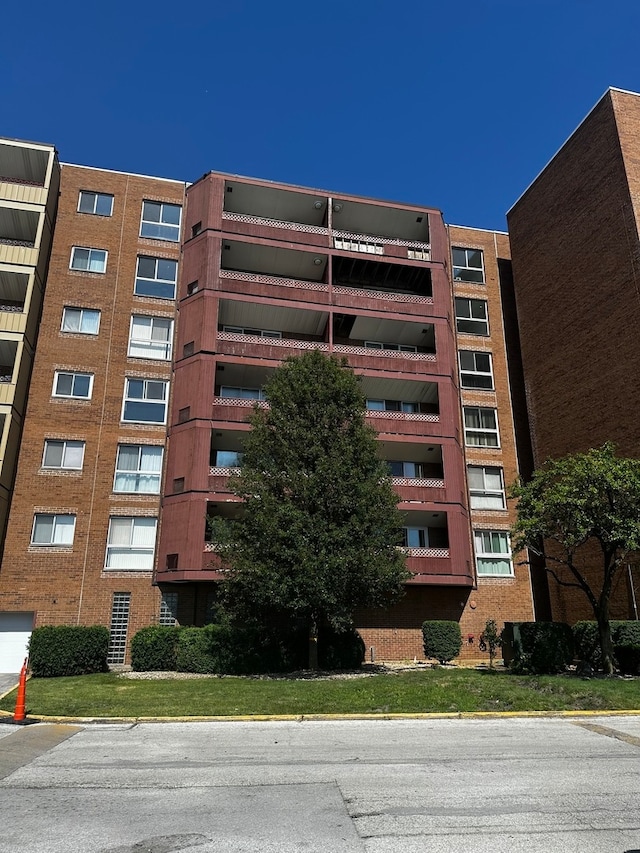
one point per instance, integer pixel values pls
(56, 650)
(628, 658)
(194, 652)
(340, 650)
(154, 648)
(541, 647)
(587, 639)
(442, 640)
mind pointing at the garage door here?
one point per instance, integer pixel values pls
(15, 630)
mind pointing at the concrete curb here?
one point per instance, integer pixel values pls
(303, 718)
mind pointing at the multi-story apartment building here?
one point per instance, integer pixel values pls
(81, 537)
(576, 255)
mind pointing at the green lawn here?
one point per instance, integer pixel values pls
(437, 690)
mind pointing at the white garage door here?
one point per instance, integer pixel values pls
(15, 630)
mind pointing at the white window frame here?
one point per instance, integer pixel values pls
(127, 399)
(57, 525)
(482, 538)
(475, 371)
(164, 347)
(410, 470)
(67, 445)
(467, 267)
(139, 471)
(481, 430)
(75, 374)
(82, 311)
(161, 222)
(486, 491)
(394, 347)
(245, 393)
(92, 253)
(403, 405)
(96, 195)
(480, 323)
(159, 282)
(258, 333)
(146, 550)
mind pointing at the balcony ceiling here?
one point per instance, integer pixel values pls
(377, 388)
(242, 375)
(273, 203)
(410, 451)
(18, 224)
(270, 317)
(392, 331)
(22, 163)
(13, 285)
(421, 518)
(378, 220)
(227, 439)
(267, 260)
(8, 351)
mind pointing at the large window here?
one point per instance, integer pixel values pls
(75, 385)
(84, 321)
(53, 529)
(151, 337)
(145, 401)
(156, 277)
(493, 553)
(406, 469)
(468, 265)
(100, 204)
(160, 221)
(471, 316)
(242, 393)
(392, 406)
(475, 370)
(138, 469)
(259, 333)
(228, 458)
(486, 487)
(415, 537)
(88, 260)
(64, 454)
(480, 427)
(396, 347)
(131, 544)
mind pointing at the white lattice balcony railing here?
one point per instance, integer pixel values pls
(272, 342)
(259, 278)
(222, 472)
(383, 294)
(376, 239)
(210, 546)
(274, 223)
(247, 403)
(404, 416)
(426, 552)
(388, 353)
(420, 482)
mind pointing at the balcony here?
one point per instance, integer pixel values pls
(394, 344)
(18, 235)
(13, 291)
(23, 172)
(357, 279)
(375, 229)
(239, 387)
(273, 271)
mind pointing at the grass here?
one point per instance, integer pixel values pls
(438, 690)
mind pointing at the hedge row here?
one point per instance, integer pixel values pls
(587, 639)
(226, 649)
(56, 650)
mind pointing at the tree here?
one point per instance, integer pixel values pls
(490, 639)
(583, 512)
(319, 533)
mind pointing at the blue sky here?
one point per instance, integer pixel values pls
(456, 105)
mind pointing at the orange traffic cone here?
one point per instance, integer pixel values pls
(19, 715)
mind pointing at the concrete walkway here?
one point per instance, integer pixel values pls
(8, 681)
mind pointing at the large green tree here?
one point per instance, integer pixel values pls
(583, 513)
(320, 527)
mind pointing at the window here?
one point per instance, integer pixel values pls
(121, 604)
(392, 406)
(242, 393)
(76, 385)
(131, 544)
(406, 469)
(415, 537)
(169, 609)
(480, 427)
(151, 337)
(101, 204)
(138, 469)
(156, 277)
(53, 529)
(228, 458)
(63, 454)
(468, 265)
(261, 333)
(160, 221)
(471, 316)
(493, 553)
(486, 487)
(475, 370)
(88, 260)
(397, 347)
(145, 401)
(84, 321)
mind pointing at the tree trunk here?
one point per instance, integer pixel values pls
(606, 643)
(313, 643)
